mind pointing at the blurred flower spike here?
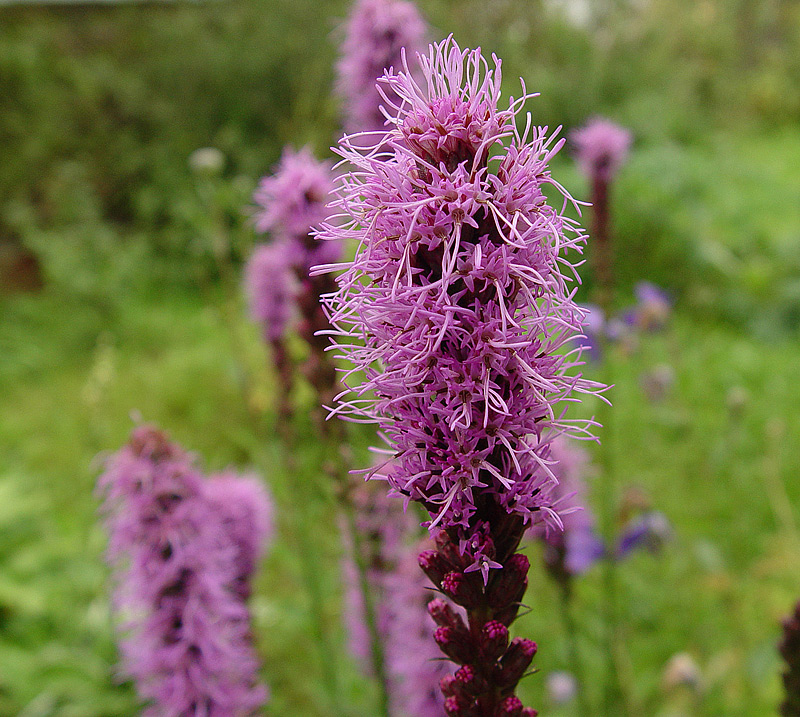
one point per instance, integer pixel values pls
(182, 568)
(601, 148)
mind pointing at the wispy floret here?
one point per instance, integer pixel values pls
(458, 318)
(601, 148)
(375, 34)
(186, 636)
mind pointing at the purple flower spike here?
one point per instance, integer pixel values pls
(453, 315)
(293, 198)
(186, 635)
(375, 33)
(271, 288)
(245, 509)
(292, 203)
(601, 148)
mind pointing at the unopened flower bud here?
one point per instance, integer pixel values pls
(434, 566)
(444, 615)
(455, 644)
(516, 661)
(510, 584)
(494, 640)
(462, 588)
(466, 682)
(454, 707)
(511, 706)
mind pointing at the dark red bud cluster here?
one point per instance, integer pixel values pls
(491, 664)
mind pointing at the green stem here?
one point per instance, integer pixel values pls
(576, 664)
(613, 696)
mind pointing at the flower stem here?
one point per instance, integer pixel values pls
(576, 663)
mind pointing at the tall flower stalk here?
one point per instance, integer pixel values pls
(457, 317)
(374, 36)
(601, 148)
(292, 201)
(182, 573)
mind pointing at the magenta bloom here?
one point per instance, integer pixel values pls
(601, 148)
(461, 290)
(375, 33)
(245, 509)
(271, 288)
(293, 198)
(186, 635)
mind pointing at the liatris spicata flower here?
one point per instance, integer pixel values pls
(401, 592)
(245, 509)
(460, 290)
(271, 289)
(601, 148)
(187, 641)
(292, 202)
(272, 292)
(375, 34)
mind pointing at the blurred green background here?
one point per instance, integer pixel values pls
(116, 295)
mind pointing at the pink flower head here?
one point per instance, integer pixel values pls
(293, 198)
(245, 509)
(186, 634)
(462, 291)
(271, 288)
(375, 34)
(601, 148)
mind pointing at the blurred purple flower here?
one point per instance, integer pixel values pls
(653, 306)
(271, 288)
(186, 635)
(245, 509)
(375, 33)
(594, 326)
(292, 199)
(601, 148)
(461, 290)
